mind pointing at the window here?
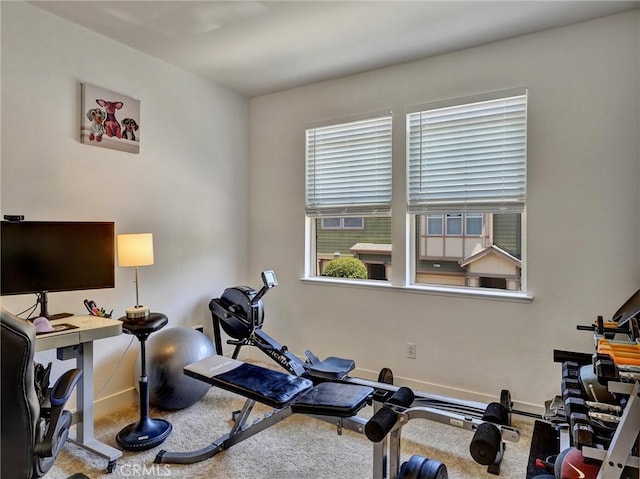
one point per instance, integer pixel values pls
(348, 193)
(465, 189)
(434, 225)
(352, 223)
(454, 225)
(473, 225)
(331, 223)
(342, 223)
(467, 162)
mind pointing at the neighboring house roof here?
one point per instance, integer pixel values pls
(371, 248)
(493, 249)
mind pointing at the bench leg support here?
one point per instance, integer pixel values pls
(238, 434)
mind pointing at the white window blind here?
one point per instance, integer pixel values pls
(348, 168)
(468, 157)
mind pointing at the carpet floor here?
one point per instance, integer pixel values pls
(299, 447)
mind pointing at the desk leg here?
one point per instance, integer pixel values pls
(84, 428)
(84, 394)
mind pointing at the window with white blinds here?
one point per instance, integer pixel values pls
(468, 157)
(348, 168)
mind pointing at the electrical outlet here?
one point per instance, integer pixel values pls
(411, 350)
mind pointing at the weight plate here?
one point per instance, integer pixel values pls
(411, 468)
(505, 399)
(385, 376)
(432, 469)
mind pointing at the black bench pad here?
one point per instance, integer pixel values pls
(333, 399)
(273, 388)
(277, 389)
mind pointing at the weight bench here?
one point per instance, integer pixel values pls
(338, 403)
(286, 393)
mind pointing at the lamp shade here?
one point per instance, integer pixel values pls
(135, 249)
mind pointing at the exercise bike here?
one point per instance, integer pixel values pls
(239, 312)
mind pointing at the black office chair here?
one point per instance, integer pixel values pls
(33, 429)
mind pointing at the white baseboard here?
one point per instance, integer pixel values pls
(129, 397)
(116, 402)
(446, 391)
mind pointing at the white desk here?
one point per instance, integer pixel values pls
(78, 344)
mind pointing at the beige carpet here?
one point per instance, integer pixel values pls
(297, 448)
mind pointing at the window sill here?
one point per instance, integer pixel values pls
(475, 293)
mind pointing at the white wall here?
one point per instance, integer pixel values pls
(583, 229)
(187, 186)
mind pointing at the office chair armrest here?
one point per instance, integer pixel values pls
(59, 395)
(63, 387)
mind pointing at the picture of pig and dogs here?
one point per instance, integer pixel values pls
(110, 120)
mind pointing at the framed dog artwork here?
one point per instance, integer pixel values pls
(109, 119)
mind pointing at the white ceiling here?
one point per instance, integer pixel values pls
(258, 47)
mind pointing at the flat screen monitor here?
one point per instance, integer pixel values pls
(50, 256)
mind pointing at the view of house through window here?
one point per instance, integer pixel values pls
(365, 238)
(473, 249)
